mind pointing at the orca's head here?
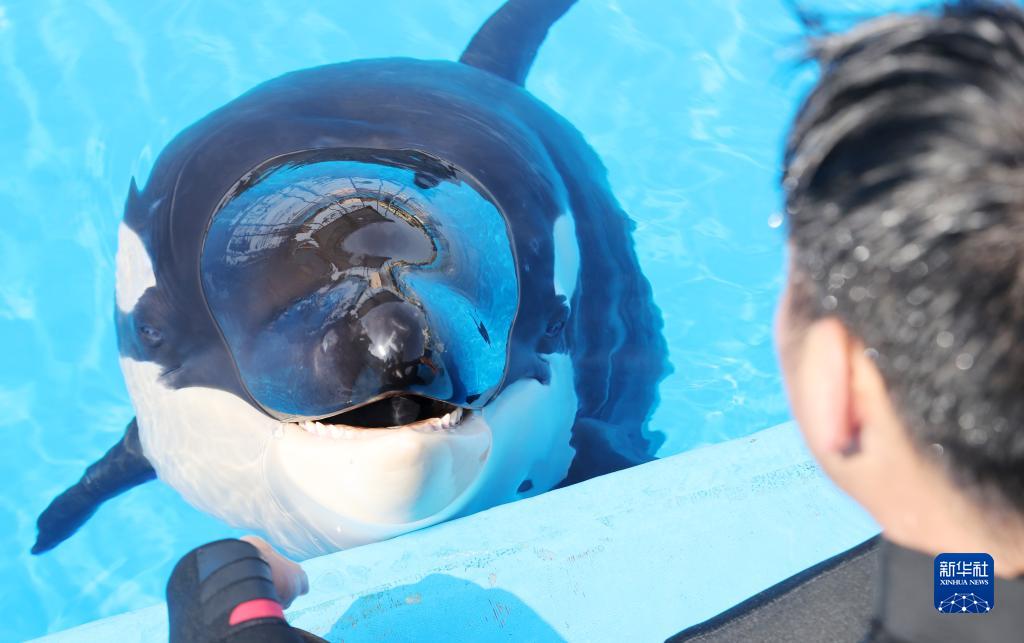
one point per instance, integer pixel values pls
(348, 355)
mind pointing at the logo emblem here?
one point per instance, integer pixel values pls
(964, 583)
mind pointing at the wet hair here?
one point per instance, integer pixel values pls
(904, 183)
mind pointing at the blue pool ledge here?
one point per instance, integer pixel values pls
(637, 555)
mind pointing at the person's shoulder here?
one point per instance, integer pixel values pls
(831, 601)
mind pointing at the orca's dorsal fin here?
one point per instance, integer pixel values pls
(508, 42)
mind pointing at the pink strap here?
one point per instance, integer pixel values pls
(256, 608)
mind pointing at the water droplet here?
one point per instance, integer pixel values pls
(910, 252)
(891, 218)
(901, 363)
(775, 220)
(937, 449)
(967, 421)
(861, 253)
(944, 339)
(871, 354)
(829, 302)
(858, 293)
(919, 270)
(849, 270)
(918, 296)
(916, 319)
(964, 361)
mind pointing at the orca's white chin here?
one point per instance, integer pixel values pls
(370, 484)
(317, 487)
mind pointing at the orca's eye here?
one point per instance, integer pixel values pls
(150, 336)
(557, 322)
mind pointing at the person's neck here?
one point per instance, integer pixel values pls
(935, 517)
(918, 504)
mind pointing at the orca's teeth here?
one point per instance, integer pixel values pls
(343, 431)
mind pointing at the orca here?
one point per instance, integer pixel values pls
(368, 297)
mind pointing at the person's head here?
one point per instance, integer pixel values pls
(901, 332)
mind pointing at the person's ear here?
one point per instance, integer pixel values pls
(825, 404)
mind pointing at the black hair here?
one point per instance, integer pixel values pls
(904, 182)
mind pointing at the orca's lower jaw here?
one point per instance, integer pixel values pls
(396, 411)
(312, 495)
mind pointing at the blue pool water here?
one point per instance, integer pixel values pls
(686, 102)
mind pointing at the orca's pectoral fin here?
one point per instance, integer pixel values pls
(124, 466)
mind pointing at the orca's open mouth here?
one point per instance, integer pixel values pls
(405, 410)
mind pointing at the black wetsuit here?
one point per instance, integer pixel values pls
(876, 592)
(222, 592)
